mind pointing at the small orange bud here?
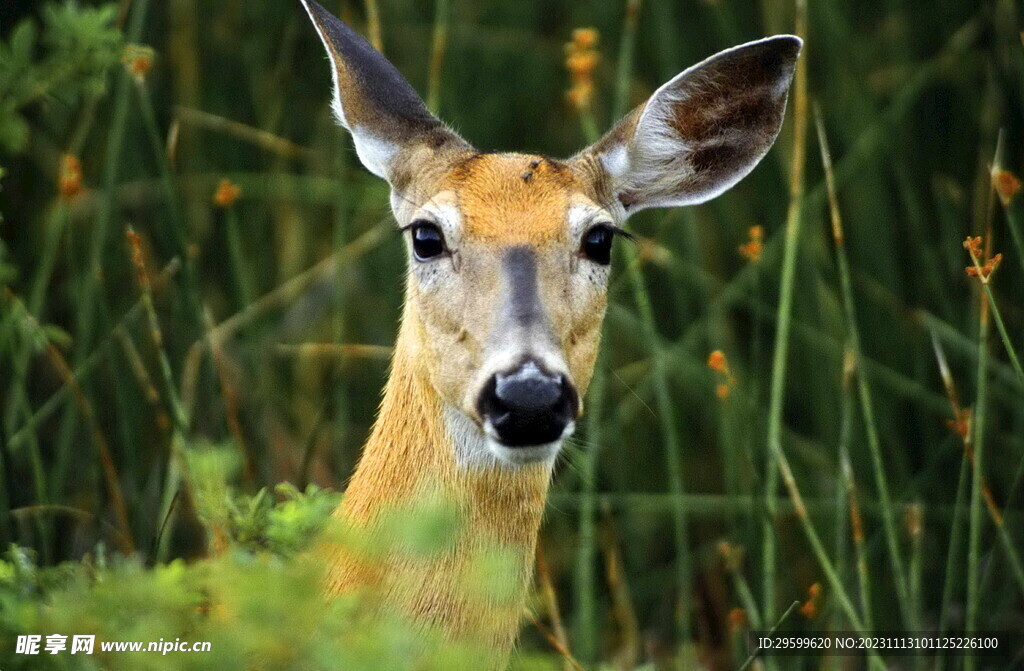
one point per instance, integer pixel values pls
(973, 246)
(1006, 185)
(961, 425)
(581, 59)
(737, 619)
(227, 193)
(138, 59)
(810, 607)
(69, 180)
(585, 38)
(751, 250)
(717, 361)
(732, 555)
(135, 243)
(982, 268)
(722, 391)
(581, 63)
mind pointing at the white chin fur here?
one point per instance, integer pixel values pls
(480, 449)
(524, 456)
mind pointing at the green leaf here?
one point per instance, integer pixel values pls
(13, 131)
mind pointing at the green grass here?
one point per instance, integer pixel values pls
(853, 340)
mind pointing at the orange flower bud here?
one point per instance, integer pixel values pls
(717, 361)
(810, 607)
(227, 193)
(585, 38)
(982, 268)
(961, 425)
(737, 619)
(1006, 185)
(138, 59)
(751, 250)
(69, 180)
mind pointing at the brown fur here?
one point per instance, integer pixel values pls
(409, 455)
(500, 206)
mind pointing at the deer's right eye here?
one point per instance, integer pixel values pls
(597, 244)
(427, 240)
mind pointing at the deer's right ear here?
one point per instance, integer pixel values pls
(389, 122)
(703, 131)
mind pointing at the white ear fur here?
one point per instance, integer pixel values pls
(375, 153)
(658, 166)
(339, 111)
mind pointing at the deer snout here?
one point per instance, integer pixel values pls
(528, 406)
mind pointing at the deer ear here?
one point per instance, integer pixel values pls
(389, 122)
(704, 130)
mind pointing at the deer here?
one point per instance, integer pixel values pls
(505, 294)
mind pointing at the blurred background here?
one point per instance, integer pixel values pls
(191, 256)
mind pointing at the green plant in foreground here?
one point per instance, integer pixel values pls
(79, 43)
(256, 601)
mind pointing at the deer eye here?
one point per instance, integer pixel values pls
(427, 240)
(596, 244)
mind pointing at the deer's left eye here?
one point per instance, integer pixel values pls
(596, 244)
(427, 240)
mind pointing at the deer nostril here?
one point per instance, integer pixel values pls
(528, 406)
(528, 389)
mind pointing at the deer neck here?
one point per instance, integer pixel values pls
(414, 451)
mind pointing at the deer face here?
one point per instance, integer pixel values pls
(509, 265)
(509, 253)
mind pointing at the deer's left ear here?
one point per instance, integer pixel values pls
(704, 130)
(390, 125)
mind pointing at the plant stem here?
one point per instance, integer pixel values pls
(974, 530)
(776, 400)
(442, 16)
(863, 389)
(243, 281)
(627, 47)
(585, 582)
(976, 457)
(373, 27)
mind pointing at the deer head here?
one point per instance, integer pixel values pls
(509, 253)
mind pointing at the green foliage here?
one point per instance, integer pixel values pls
(65, 61)
(21, 331)
(283, 525)
(256, 600)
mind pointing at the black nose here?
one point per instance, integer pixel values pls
(528, 405)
